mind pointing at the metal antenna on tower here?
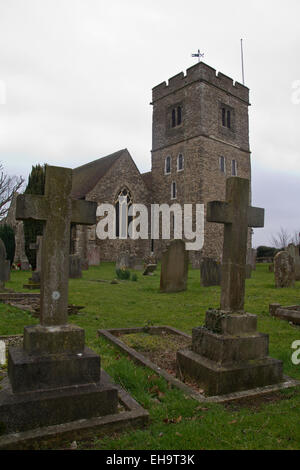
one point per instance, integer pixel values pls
(199, 55)
(242, 57)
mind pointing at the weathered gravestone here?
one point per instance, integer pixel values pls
(75, 269)
(4, 266)
(149, 269)
(290, 314)
(294, 252)
(210, 272)
(54, 378)
(174, 267)
(129, 261)
(227, 354)
(2, 353)
(123, 261)
(284, 270)
(253, 259)
(249, 264)
(36, 275)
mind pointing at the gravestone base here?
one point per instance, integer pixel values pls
(28, 372)
(53, 378)
(228, 355)
(26, 411)
(31, 286)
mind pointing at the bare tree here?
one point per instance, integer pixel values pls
(295, 238)
(282, 239)
(9, 185)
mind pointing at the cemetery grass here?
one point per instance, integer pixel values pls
(176, 421)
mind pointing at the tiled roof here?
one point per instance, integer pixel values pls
(86, 177)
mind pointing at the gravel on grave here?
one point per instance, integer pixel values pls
(161, 350)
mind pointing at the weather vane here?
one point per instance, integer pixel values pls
(199, 55)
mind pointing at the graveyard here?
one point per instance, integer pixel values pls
(176, 420)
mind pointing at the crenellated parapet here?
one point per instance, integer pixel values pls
(203, 73)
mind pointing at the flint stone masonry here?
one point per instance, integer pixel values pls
(210, 272)
(284, 270)
(227, 354)
(54, 374)
(174, 268)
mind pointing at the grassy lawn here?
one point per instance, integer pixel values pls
(176, 421)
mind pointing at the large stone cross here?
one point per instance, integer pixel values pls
(236, 215)
(58, 211)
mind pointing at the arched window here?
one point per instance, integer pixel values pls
(223, 117)
(222, 164)
(180, 162)
(122, 203)
(228, 119)
(168, 165)
(234, 168)
(173, 190)
(173, 118)
(178, 115)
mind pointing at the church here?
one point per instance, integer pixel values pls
(200, 137)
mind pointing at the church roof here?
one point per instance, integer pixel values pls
(86, 177)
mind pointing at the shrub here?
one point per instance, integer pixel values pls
(7, 235)
(134, 277)
(33, 228)
(123, 273)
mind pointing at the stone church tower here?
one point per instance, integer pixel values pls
(200, 137)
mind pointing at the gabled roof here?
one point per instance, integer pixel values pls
(86, 177)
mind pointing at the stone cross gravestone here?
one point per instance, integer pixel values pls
(174, 267)
(237, 216)
(227, 354)
(210, 272)
(294, 251)
(54, 378)
(4, 266)
(284, 270)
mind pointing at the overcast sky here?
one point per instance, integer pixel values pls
(76, 79)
